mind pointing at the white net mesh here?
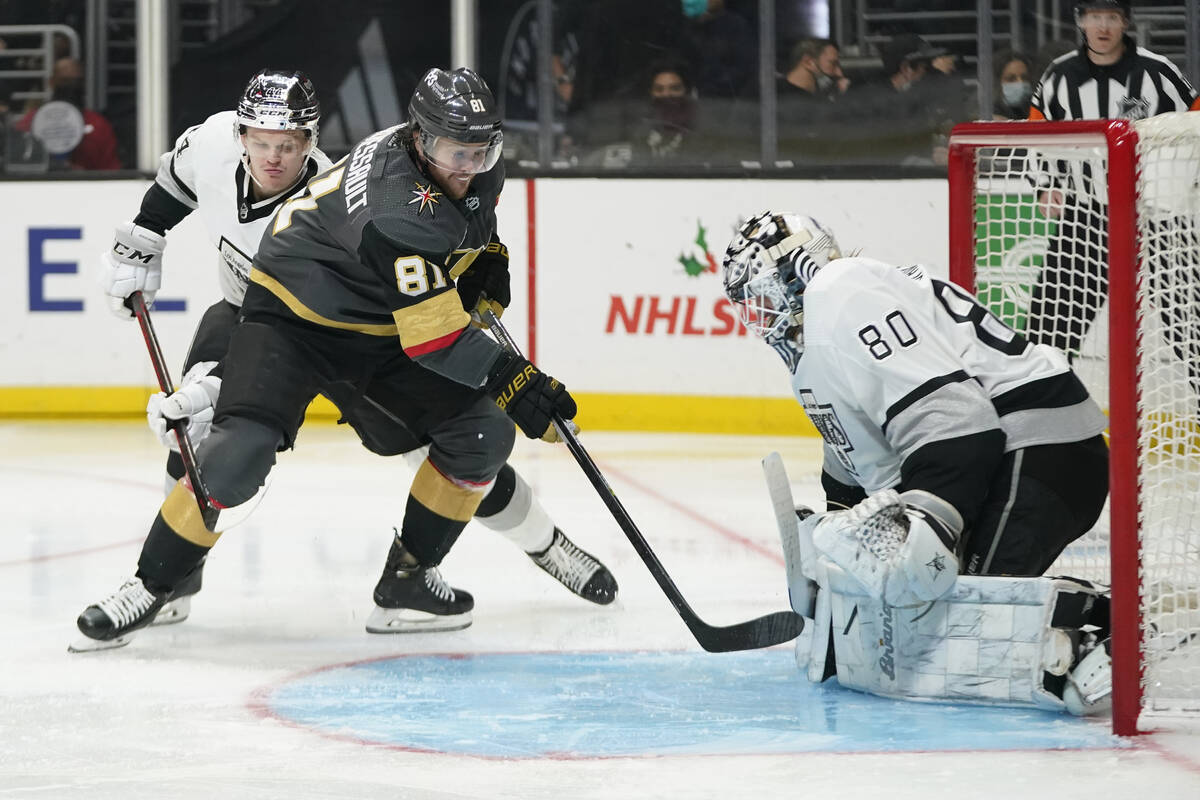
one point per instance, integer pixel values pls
(1041, 222)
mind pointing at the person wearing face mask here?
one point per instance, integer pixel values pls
(97, 150)
(1013, 85)
(719, 46)
(897, 117)
(815, 70)
(665, 131)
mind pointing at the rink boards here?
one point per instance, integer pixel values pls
(616, 284)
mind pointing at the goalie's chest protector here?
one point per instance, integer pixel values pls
(877, 344)
(205, 170)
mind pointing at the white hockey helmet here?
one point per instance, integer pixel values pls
(279, 100)
(768, 264)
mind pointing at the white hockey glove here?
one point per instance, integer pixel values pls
(195, 401)
(132, 264)
(902, 553)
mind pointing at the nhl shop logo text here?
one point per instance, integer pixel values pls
(706, 313)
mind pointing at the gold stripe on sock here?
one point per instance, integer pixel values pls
(181, 513)
(443, 497)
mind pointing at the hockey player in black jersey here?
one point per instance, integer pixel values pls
(353, 294)
(235, 170)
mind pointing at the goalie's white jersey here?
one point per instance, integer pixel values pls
(205, 171)
(894, 360)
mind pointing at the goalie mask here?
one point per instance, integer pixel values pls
(457, 120)
(767, 266)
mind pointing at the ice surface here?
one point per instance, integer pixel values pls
(272, 689)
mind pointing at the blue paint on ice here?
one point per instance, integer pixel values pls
(528, 705)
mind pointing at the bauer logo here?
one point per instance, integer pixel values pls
(706, 312)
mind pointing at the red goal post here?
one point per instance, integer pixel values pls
(1039, 214)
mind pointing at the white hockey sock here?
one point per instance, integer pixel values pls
(523, 521)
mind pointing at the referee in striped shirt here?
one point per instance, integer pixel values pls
(1108, 77)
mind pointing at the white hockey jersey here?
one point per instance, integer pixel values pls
(894, 360)
(205, 171)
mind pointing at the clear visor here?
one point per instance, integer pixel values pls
(1100, 19)
(764, 307)
(468, 158)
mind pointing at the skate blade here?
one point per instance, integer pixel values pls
(173, 612)
(406, 620)
(85, 645)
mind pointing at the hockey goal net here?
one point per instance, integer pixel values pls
(1086, 236)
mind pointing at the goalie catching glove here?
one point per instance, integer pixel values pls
(899, 548)
(485, 284)
(132, 264)
(194, 401)
(531, 397)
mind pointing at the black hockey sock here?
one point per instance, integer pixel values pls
(428, 535)
(167, 558)
(501, 493)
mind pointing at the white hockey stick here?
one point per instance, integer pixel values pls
(802, 591)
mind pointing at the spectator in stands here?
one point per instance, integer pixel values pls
(97, 150)
(665, 132)
(814, 71)
(904, 121)
(618, 42)
(722, 49)
(1013, 87)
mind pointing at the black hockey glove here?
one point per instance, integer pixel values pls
(486, 278)
(529, 396)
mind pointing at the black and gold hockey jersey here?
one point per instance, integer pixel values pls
(373, 247)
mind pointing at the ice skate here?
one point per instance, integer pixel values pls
(410, 598)
(112, 622)
(176, 609)
(1089, 683)
(578, 570)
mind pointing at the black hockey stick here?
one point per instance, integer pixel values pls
(186, 451)
(782, 626)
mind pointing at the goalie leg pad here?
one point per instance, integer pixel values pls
(989, 641)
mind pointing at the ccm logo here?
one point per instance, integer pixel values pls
(132, 253)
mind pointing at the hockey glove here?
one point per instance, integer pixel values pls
(529, 396)
(195, 402)
(486, 280)
(132, 264)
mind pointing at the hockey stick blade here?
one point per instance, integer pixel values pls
(186, 452)
(773, 629)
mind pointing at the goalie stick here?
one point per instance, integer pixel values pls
(209, 514)
(782, 626)
(801, 589)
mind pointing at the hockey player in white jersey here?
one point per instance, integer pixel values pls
(953, 448)
(236, 168)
